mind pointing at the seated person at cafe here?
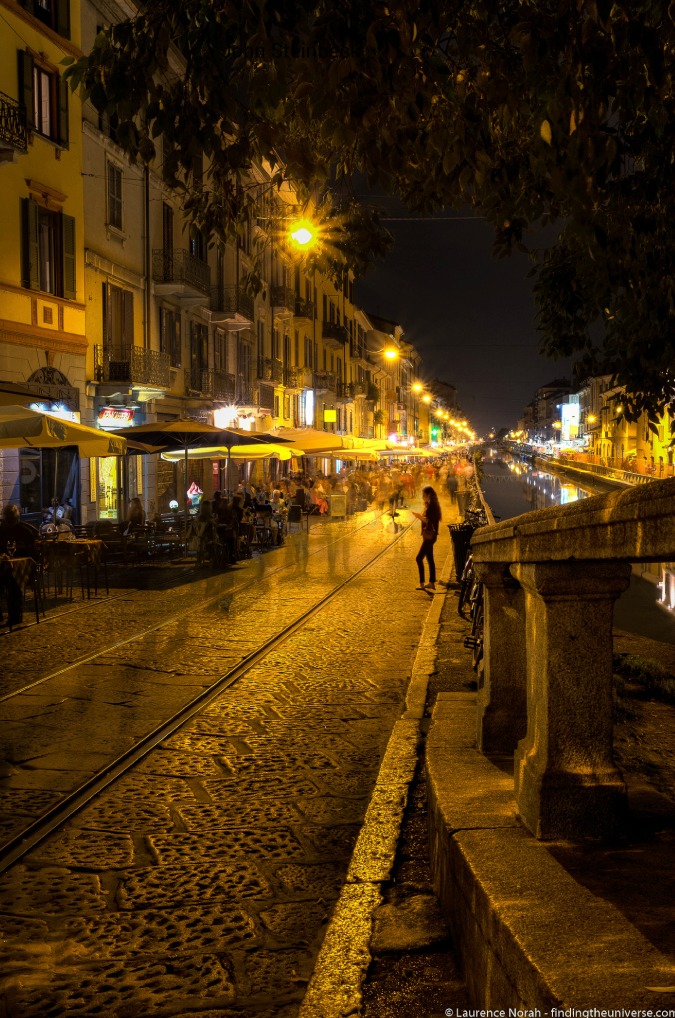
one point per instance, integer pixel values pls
(13, 529)
(136, 513)
(18, 540)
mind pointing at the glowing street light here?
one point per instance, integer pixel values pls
(390, 353)
(303, 234)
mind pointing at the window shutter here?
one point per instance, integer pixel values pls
(107, 316)
(128, 319)
(26, 91)
(63, 18)
(163, 341)
(62, 117)
(178, 346)
(68, 256)
(30, 261)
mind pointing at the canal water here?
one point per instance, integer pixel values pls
(513, 486)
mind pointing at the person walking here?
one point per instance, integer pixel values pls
(431, 518)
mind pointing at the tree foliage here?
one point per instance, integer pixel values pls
(559, 111)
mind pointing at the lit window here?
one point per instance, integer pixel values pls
(48, 250)
(43, 101)
(45, 96)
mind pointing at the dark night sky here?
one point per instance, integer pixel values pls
(471, 316)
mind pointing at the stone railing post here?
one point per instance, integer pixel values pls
(566, 782)
(502, 700)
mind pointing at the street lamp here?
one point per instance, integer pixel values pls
(390, 353)
(303, 234)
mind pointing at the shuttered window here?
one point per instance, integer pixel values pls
(45, 96)
(118, 321)
(170, 335)
(48, 252)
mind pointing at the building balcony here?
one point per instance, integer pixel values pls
(222, 385)
(132, 366)
(304, 311)
(270, 370)
(244, 392)
(324, 381)
(178, 273)
(334, 335)
(232, 306)
(297, 379)
(347, 391)
(283, 301)
(263, 397)
(13, 131)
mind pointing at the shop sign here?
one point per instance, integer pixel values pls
(115, 417)
(330, 416)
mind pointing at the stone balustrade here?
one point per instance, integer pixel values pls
(551, 578)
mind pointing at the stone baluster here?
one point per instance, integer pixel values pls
(566, 782)
(502, 700)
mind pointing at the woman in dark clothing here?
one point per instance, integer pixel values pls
(431, 518)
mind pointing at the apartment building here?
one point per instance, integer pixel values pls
(43, 339)
(118, 310)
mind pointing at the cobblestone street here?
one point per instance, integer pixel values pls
(201, 881)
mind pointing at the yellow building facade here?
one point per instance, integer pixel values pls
(43, 337)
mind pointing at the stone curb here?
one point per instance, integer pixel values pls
(334, 990)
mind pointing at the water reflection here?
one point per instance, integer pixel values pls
(513, 486)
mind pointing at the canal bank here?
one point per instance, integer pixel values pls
(535, 924)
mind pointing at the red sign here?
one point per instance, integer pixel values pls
(115, 416)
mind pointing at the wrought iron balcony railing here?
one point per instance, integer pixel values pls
(348, 390)
(283, 299)
(270, 370)
(304, 308)
(324, 381)
(232, 300)
(132, 365)
(180, 267)
(222, 385)
(331, 330)
(13, 132)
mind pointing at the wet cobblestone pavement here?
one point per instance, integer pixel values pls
(201, 881)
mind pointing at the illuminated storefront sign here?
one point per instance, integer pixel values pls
(111, 417)
(309, 408)
(570, 421)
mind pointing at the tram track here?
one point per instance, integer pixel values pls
(18, 845)
(156, 627)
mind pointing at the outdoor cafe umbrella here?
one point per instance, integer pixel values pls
(184, 434)
(21, 428)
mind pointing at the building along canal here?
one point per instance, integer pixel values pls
(512, 485)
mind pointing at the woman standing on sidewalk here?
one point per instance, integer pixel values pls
(431, 518)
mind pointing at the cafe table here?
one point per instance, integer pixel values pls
(88, 554)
